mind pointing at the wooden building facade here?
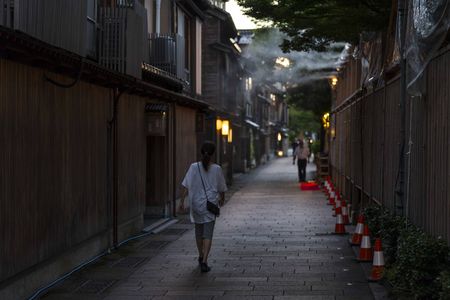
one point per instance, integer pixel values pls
(92, 141)
(222, 86)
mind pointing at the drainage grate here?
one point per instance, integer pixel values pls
(129, 262)
(94, 286)
(154, 245)
(324, 233)
(173, 231)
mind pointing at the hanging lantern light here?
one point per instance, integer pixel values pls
(225, 127)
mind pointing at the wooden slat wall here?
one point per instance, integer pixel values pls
(429, 128)
(62, 23)
(437, 146)
(391, 143)
(348, 80)
(132, 157)
(186, 148)
(53, 158)
(210, 63)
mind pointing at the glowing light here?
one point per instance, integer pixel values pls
(225, 127)
(279, 137)
(280, 153)
(230, 136)
(283, 61)
(326, 120)
(334, 81)
(333, 133)
(218, 124)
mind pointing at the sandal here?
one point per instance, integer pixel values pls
(204, 267)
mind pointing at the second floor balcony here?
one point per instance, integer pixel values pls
(167, 52)
(112, 33)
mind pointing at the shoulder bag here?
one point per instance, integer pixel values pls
(211, 207)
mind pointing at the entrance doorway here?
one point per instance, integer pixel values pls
(157, 175)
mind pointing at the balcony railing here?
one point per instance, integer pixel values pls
(167, 52)
(122, 43)
(218, 3)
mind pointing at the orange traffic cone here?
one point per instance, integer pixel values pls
(378, 262)
(365, 250)
(345, 212)
(337, 203)
(339, 228)
(357, 235)
(331, 198)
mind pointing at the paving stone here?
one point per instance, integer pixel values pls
(272, 241)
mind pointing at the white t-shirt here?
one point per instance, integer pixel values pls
(214, 184)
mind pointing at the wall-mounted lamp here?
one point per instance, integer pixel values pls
(218, 124)
(225, 127)
(230, 136)
(326, 120)
(334, 81)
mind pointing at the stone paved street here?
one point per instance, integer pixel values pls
(272, 241)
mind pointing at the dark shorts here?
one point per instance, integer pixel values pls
(205, 230)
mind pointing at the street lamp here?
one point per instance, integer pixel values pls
(279, 137)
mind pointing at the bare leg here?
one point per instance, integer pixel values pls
(199, 246)
(206, 248)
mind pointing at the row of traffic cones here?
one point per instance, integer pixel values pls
(361, 236)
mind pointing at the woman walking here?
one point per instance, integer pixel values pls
(203, 183)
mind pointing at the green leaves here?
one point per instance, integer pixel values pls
(417, 263)
(301, 121)
(314, 24)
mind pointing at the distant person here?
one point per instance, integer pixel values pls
(203, 183)
(294, 146)
(301, 154)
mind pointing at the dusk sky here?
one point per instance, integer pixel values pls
(240, 20)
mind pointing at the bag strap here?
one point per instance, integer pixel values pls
(203, 183)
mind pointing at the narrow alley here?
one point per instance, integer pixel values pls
(272, 241)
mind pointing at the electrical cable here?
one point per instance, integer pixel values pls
(69, 85)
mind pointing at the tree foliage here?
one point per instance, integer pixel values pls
(301, 121)
(312, 24)
(314, 96)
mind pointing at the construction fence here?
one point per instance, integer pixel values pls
(365, 145)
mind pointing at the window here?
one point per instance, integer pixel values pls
(248, 84)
